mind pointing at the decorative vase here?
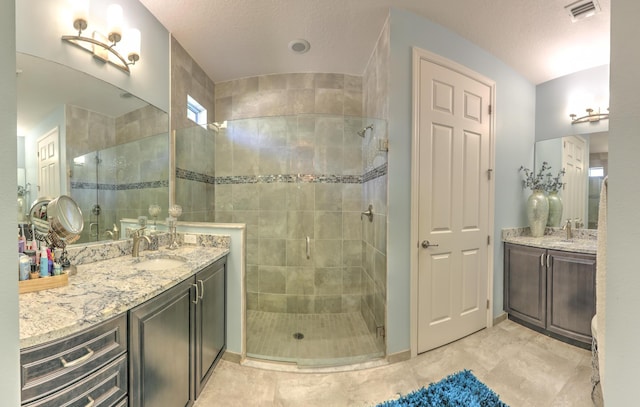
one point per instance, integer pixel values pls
(555, 209)
(537, 212)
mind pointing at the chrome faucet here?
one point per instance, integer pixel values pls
(137, 236)
(567, 227)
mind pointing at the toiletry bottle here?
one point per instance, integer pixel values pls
(24, 266)
(44, 263)
(50, 261)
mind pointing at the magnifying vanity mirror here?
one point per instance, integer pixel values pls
(80, 137)
(56, 222)
(585, 158)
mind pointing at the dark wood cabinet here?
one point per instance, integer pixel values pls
(551, 290)
(571, 294)
(525, 284)
(176, 339)
(211, 325)
(73, 371)
(160, 349)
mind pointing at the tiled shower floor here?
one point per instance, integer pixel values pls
(329, 339)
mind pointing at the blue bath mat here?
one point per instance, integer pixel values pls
(461, 389)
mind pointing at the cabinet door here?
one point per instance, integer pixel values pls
(525, 283)
(160, 349)
(571, 299)
(211, 335)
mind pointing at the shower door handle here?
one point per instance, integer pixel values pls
(308, 247)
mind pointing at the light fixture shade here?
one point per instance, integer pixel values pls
(80, 14)
(114, 23)
(133, 39)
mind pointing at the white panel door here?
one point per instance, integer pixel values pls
(453, 211)
(575, 163)
(49, 164)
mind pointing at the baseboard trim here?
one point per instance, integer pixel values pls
(499, 318)
(232, 357)
(399, 356)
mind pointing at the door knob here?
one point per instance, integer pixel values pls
(425, 244)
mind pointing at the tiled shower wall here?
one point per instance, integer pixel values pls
(374, 240)
(194, 145)
(289, 165)
(131, 170)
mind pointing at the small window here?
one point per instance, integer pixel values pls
(596, 171)
(196, 112)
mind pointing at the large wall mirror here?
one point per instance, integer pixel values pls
(83, 137)
(585, 158)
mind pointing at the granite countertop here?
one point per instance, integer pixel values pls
(103, 289)
(581, 242)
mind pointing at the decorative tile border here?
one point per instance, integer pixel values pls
(194, 176)
(120, 187)
(375, 173)
(283, 178)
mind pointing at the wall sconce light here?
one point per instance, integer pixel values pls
(589, 117)
(103, 47)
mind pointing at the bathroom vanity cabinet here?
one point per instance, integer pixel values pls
(88, 368)
(552, 291)
(176, 339)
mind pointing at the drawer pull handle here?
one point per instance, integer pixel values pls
(90, 403)
(195, 299)
(201, 289)
(81, 359)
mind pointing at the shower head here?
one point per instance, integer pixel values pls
(363, 132)
(215, 126)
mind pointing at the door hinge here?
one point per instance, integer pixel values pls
(489, 172)
(488, 240)
(488, 303)
(490, 109)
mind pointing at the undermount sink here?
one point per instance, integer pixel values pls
(159, 263)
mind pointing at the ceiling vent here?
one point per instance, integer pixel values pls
(582, 9)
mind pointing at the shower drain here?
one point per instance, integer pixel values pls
(298, 336)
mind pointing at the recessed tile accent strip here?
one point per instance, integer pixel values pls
(375, 173)
(120, 187)
(194, 176)
(282, 178)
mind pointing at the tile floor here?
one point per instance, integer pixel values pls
(524, 367)
(329, 339)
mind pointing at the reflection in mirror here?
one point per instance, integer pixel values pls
(586, 159)
(65, 117)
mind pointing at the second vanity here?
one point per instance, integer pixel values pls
(126, 331)
(549, 283)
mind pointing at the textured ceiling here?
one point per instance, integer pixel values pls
(231, 39)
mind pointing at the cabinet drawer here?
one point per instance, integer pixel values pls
(47, 368)
(106, 387)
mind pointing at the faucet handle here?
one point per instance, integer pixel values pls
(138, 232)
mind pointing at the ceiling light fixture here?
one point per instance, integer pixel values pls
(103, 47)
(299, 46)
(589, 117)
